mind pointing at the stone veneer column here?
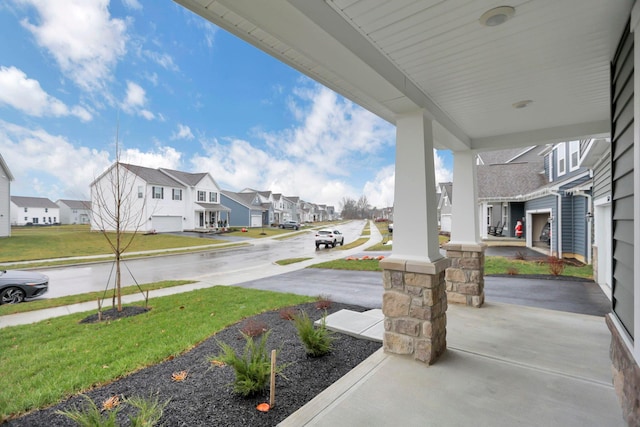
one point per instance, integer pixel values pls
(414, 305)
(626, 375)
(465, 278)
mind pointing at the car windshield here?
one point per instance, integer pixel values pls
(324, 232)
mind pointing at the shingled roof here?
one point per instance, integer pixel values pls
(509, 179)
(33, 202)
(152, 176)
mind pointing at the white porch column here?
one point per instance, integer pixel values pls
(414, 301)
(415, 222)
(464, 218)
(465, 278)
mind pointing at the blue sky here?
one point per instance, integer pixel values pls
(180, 93)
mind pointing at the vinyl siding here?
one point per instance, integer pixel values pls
(622, 168)
(602, 177)
(546, 202)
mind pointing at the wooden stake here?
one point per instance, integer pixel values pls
(272, 391)
(99, 311)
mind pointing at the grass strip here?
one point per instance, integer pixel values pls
(290, 261)
(41, 304)
(343, 264)
(355, 243)
(59, 357)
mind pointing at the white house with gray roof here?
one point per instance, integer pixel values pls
(74, 211)
(5, 198)
(33, 211)
(158, 200)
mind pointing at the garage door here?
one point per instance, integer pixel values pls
(256, 220)
(166, 223)
(445, 223)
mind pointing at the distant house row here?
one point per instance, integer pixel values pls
(42, 211)
(158, 200)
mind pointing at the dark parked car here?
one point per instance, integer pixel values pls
(290, 224)
(16, 285)
(545, 234)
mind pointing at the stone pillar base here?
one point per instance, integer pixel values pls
(414, 305)
(465, 278)
(626, 375)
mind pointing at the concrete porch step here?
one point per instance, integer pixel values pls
(368, 324)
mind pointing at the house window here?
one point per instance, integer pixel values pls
(158, 192)
(213, 197)
(574, 155)
(46, 210)
(202, 196)
(26, 209)
(562, 159)
(26, 218)
(140, 192)
(54, 219)
(75, 211)
(44, 219)
(176, 194)
(35, 220)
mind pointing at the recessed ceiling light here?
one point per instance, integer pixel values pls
(522, 104)
(497, 15)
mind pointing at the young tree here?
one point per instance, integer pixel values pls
(118, 211)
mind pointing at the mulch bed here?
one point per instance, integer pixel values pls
(206, 397)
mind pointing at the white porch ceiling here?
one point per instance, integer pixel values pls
(393, 56)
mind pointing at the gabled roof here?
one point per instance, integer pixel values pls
(33, 202)
(509, 179)
(152, 176)
(503, 156)
(75, 204)
(294, 199)
(187, 178)
(5, 167)
(243, 198)
(447, 188)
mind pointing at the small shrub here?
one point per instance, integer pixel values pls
(149, 412)
(254, 328)
(316, 341)
(512, 271)
(556, 265)
(91, 415)
(323, 302)
(252, 368)
(287, 313)
(520, 256)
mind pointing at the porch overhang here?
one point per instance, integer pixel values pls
(215, 207)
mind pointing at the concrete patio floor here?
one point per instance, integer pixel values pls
(505, 365)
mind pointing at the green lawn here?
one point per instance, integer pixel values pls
(46, 361)
(493, 265)
(34, 243)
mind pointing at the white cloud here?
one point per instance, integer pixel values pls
(162, 157)
(132, 4)
(380, 192)
(52, 175)
(135, 99)
(26, 95)
(82, 38)
(162, 59)
(183, 132)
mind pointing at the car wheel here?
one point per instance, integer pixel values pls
(342, 242)
(296, 228)
(281, 226)
(12, 296)
(317, 246)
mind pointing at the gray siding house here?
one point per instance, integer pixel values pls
(246, 209)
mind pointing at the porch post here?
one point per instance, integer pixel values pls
(414, 301)
(465, 278)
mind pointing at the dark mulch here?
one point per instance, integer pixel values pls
(113, 314)
(206, 397)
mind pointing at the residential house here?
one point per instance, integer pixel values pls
(34, 211)
(247, 210)
(158, 200)
(264, 199)
(5, 198)
(598, 159)
(74, 211)
(294, 203)
(539, 185)
(444, 206)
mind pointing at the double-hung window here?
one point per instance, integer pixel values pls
(177, 194)
(561, 158)
(158, 192)
(202, 196)
(574, 155)
(213, 197)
